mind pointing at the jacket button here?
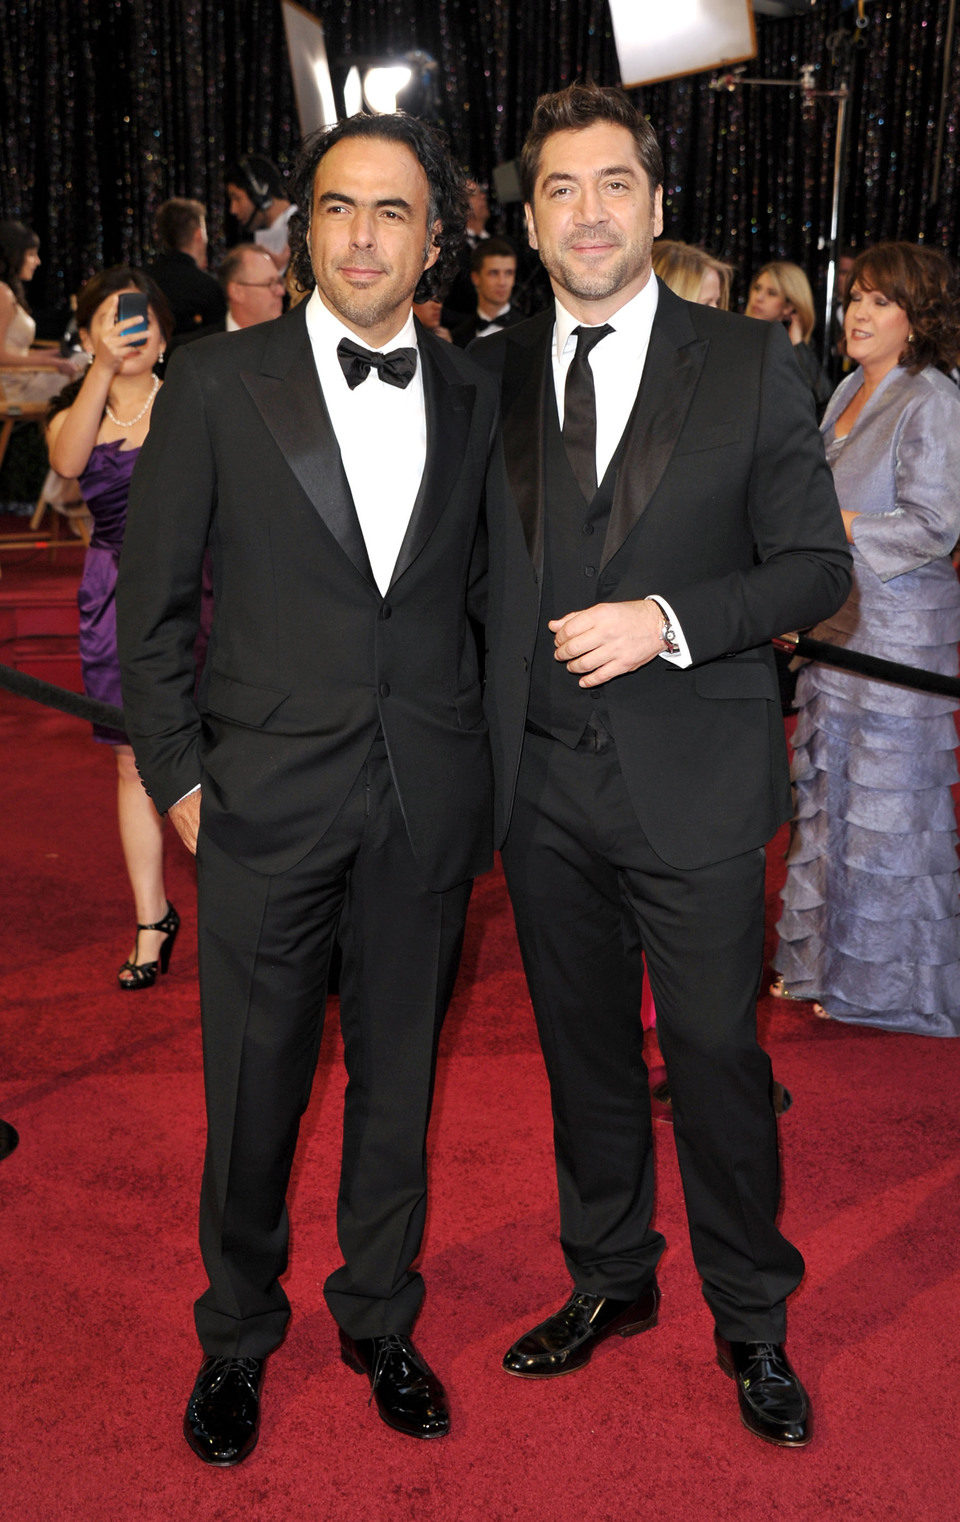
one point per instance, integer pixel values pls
(384, 689)
(386, 610)
(589, 570)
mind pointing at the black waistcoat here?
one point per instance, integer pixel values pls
(574, 532)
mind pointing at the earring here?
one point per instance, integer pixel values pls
(161, 356)
(909, 338)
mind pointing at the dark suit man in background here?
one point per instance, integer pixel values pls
(337, 737)
(671, 510)
(196, 298)
(493, 271)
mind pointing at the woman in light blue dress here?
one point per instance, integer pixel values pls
(870, 928)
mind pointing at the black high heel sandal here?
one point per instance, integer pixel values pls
(144, 974)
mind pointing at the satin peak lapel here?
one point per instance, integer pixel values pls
(449, 411)
(288, 396)
(674, 361)
(524, 384)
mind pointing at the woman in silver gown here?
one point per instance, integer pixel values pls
(870, 929)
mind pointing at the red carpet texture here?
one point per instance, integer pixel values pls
(98, 1264)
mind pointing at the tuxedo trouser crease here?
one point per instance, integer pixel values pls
(265, 945)
(589, 893)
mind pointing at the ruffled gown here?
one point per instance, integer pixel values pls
(871, 905)
(105, 484)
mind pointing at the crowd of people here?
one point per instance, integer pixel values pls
(629, 490)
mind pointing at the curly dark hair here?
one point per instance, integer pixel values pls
(579, 106)
(447, 195)
(107, 283)
(923, 282)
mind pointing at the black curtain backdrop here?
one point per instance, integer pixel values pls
(109, 106)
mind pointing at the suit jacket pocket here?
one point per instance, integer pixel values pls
(736, 679)
(715, 437)
(241, 702)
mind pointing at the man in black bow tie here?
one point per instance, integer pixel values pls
(332, 771)
(671, 510)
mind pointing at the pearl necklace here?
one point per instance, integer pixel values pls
(120, 423)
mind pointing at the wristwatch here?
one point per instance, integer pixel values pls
(668, 636)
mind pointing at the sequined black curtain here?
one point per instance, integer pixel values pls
(109, 106)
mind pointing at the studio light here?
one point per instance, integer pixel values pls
(656, 41)
(382, 85)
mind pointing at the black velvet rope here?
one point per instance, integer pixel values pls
(872, 666)
(812, 649)
(60, 697)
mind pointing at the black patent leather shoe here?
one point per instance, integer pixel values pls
(564, 1342)
(222, 1420)
(408, 1394)
(773, 1402)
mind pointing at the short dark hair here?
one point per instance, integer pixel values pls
(490, 248)
(176, 222)
(579, 106)
(924, 283)
(258, 176)
(447, 197)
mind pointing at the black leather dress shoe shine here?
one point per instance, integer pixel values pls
(222, 1420)
(773, 1402)
(408, 1394)
(564, 1342)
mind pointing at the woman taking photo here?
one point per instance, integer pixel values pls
(870, 928)
(95, 434)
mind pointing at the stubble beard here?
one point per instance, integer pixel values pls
(633, 260)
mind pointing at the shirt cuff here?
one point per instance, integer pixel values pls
(186, 795)
(682, 658)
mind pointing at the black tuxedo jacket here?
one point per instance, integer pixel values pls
(306, 658)
(724, 506)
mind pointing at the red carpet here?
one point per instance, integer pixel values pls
(99, 1267)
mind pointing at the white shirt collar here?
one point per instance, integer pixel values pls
(326, 330)
(633, 319)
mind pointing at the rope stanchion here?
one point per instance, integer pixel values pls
(870, 665)
(61, 698)
(797, 644)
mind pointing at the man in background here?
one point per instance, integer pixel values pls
(493, 271)
(195, 297)
(256, 197)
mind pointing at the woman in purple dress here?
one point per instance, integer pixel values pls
(870, 930)
(95, 433)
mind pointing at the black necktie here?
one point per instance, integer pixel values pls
(580, 412)
(396, 368)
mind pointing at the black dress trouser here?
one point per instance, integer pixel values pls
(585, 884)
(265, 944)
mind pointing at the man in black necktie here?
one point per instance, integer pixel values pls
(669, 511)
(332, 772)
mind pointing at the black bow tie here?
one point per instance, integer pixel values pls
(396, 368)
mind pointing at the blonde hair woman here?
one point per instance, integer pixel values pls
(781, 292)
(692, 273)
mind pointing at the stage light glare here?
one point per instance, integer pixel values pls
(381, 86)
(352, 92)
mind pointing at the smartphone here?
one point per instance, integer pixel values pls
(134, 304)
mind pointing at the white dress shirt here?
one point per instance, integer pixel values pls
(617, 364)
(382, 433)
